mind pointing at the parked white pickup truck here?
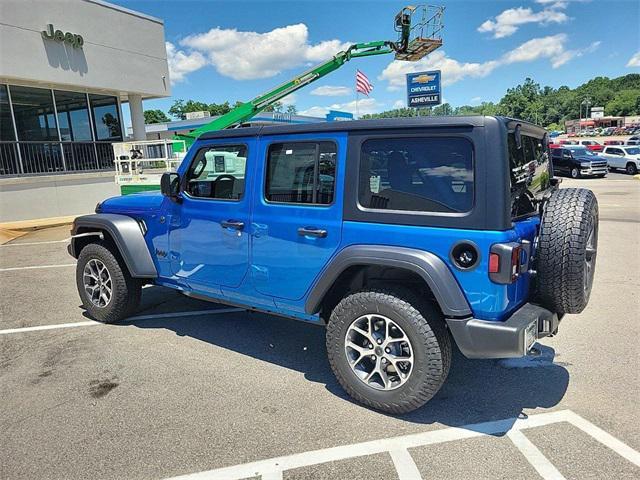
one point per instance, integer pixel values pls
(625, 157)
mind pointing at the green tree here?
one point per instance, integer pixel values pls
(291, 109)
(155, 116)
(180, 108)
(625, 102)
(274, 107)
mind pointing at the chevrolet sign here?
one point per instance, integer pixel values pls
(423, 89)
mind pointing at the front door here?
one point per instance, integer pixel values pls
(208, 239)
(297, 217)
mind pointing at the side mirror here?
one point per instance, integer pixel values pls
(170, 184)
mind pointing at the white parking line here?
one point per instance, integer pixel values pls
(29, 244)
(88, 323)
(12, 269)
(273, 468)
(405, 466)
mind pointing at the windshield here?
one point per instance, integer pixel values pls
(581, 151)
(633, 151)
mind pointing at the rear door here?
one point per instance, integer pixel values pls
(297, 216)
(614, 157)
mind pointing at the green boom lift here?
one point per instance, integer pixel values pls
(140, 164)
(419, 33)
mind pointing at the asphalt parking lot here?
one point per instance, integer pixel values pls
(197, 389)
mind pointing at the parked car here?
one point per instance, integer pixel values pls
(578, 161)
(401, 236)
(591, 145)
(635, 140)
(568, 142)
(614, 142)
(623, 157)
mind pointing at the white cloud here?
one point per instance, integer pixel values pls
(181, 63)
(452, 70)
(289, 99)
(508, 22)
(475, 100)
(552, 48)
(365, 106)
(331, 91)
(251, 55)
(545, 47)
(399, 104)
(634, 61)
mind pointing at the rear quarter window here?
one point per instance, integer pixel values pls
(428, 174)
(530, 173)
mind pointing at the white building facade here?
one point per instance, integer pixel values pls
(66, 66)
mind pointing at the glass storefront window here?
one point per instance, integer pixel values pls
(106, 117)
(73, 116)
(6, 124)
(34, 114)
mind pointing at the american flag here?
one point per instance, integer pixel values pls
(362, 83)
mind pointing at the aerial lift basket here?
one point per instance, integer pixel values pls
(419, 31)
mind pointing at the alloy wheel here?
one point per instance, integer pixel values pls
(379, 352)
(97, 283)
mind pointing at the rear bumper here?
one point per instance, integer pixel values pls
(512, 338)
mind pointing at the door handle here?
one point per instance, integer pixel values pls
(312, 232)
(235, 224)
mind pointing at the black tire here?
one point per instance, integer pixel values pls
(565, 262)
(631, 168)
(575, 173)
(125, 290)
(423, 325)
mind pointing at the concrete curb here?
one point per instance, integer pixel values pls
(637, 177)
(37, 223)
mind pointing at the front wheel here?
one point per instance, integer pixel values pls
(631, 168)
(388, 348)
(575, 173)
(107, 290)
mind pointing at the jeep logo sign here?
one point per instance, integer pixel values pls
(73, 39)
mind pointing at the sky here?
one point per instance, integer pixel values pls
(226, 51)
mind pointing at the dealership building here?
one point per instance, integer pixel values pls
(66, 68)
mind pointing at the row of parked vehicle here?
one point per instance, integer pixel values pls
(595, 132)
(584, 160)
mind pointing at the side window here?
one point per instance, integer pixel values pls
(302, 172)
(530, 173)
(217, 172)
(615, 151)
(430, 174)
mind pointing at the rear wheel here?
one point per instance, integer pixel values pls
(567, 250)
(631, 168)
(388, 348)
(107, 290)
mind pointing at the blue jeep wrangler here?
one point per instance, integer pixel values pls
(402, 236)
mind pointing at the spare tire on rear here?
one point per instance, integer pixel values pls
(566, 253)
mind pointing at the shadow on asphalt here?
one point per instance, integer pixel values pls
(476, 390)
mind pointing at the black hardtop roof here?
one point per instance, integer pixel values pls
(469, 121)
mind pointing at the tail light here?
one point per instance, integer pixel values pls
(507, 261)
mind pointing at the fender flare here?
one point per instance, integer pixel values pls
(430, 267)
(127, 236)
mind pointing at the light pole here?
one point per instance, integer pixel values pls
(586, 102)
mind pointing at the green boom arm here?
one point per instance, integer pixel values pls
(247, 110)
